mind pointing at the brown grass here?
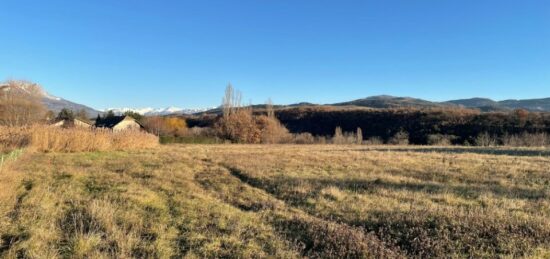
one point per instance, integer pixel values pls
(280, 201)
(52, 139)
(13, 138)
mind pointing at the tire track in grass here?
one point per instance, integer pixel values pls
(10, 239)
(315, 237)
(415, 233)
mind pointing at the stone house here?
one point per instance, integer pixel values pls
(118, 123)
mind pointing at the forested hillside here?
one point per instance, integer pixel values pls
(463, 125)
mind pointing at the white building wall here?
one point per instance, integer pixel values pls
(127, 125)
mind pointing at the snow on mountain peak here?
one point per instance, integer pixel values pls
(156, 112)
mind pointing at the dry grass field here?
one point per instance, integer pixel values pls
(258, 201)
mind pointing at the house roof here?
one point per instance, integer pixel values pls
(73, 120)
(83, 121)
(109, 122)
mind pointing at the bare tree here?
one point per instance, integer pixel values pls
(359, 135)
(231, 100)
(21, 103)
(269, 108)
(227, 104)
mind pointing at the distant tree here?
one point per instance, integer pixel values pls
(231, 100)
(176, 126)
(109, 114)
(338, 137)
(155, 125)
(82, 115)
(50, 116)
(240, 125)
(271, 130)
(359, 135)
(65, 114)
(485, 140)
(134, 115)
(522, 115)
(400, 138)
(269, 108)
(20, 103)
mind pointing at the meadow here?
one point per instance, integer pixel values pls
(277, 201)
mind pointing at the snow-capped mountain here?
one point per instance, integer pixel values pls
(157, 112)
(51, 102)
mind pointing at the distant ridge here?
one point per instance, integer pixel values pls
(51, 102)
(388, 101)
(483, 104)
(475, 102)
(55, 104)
(158, 112)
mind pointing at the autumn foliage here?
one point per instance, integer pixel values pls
(165, 126)
(241, 125)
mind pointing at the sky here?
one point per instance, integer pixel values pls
(136, 53)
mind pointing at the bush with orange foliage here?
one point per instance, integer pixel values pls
(238, 126)
(272, 131)
(161, 126)
(241, 126)
(176, 126)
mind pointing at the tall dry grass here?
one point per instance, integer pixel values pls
(50, 139)
(13, 138)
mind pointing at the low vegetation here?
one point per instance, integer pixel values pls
(289, 201)
(53, 139)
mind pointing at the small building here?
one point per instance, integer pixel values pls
(118, 123)
(70, 123)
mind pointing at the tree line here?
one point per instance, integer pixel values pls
(238, 123)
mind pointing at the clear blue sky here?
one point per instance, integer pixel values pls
(108, 53)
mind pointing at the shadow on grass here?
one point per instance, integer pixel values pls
(282, 187)
(466, 150)
(426, 234)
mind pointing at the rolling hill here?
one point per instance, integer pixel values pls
(484, 104)
(387, 101)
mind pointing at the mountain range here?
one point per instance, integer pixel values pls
(52, 103)
(55, 103)
(157, 112)
(484, 104)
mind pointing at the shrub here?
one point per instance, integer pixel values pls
(374, 141)
(176, 126)
(165, 126)
(238, 126)
(341, 138)
(338, 137)
(241, 126)
(400, 138)
(440, 140)
(526, 140)
(485, 140)
(303, 138)
(271, 130)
